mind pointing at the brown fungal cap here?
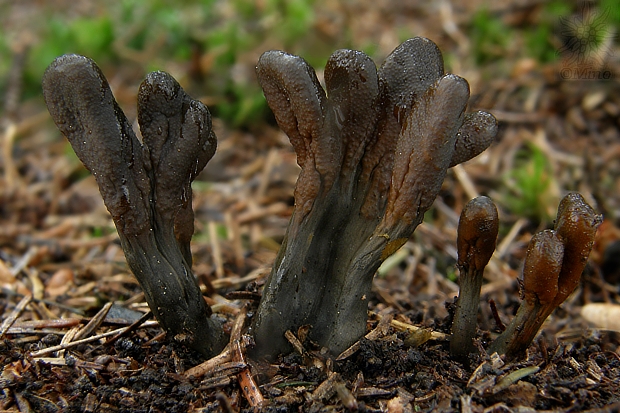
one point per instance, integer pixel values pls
(176, 131)
(81, 103)
(477, 233)
(541, 271)
(409, 70)
(475, 135)
(576, 223)
(299, 104)
(353, 92)
(554, 262)
(296, 98)
(476, 237)
(405, 74)
(424, 150)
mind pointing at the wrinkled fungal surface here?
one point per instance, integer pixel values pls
(145, 185)
(554, 262)
(373, 149)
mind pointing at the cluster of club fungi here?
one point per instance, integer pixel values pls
(373, 149)
(554, 262)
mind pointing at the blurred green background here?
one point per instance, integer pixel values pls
(210, 46)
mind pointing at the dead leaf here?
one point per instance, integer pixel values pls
(60, 282)
(6, 277)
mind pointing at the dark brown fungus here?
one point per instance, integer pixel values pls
(542, 266)
(476, 134)
(423, 153)
(145, 186)
(353, 90)
(404, 75)
(577, 224)
(299, 104)
(477, 235)
(553, 265)
(374, 151)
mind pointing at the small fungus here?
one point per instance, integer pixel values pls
(554, 262)
(476, 238)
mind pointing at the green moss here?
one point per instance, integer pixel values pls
(489, 37)
(529, 185)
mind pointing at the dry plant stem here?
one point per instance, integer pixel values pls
(17, 311)
(94, 323)
(477, 235)
(145, 185)
(237, 345)
(90, 339)
(374, 151)
(208, 366)
(554, 262)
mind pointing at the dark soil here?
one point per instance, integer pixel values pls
(141, 373)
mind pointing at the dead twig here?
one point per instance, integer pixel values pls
(246, 381)
(129, 329)
(56, 323)
(402, 326)
(72, 344)
(378, 332)
(66, 339)
(329, 387)
(94, 323)
(210, 365)
(62, 361)
(70, 309)
(299, 348)
(19, 308)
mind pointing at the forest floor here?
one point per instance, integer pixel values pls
(68, 298)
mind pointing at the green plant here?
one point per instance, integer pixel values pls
(88, 35)
(540, 38)
(530, 186)
(539, 43)
(151, 35)
(489, 37)
(295, 17)
(611, 12)
(241, 101)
